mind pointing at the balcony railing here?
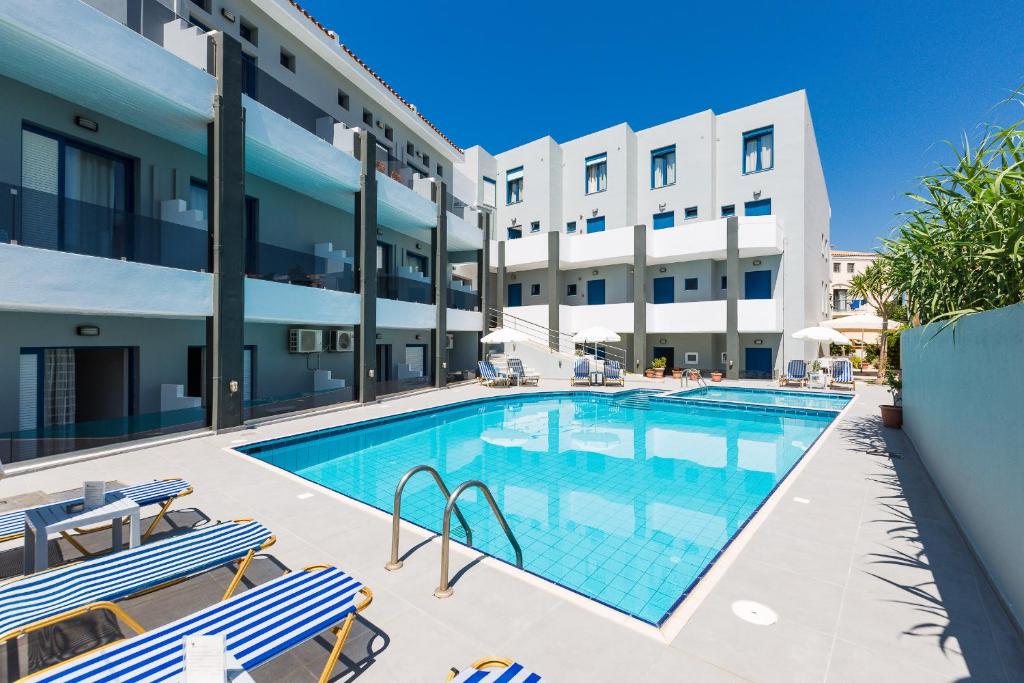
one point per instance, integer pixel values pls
(47, 221)
(463, 300)
(400, 288)
(279, 264)
(273, 406)
(397, 386)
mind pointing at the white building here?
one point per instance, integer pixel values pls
(213, 212)
(845, 265)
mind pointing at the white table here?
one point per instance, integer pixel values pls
(817, 380)
(42, 521)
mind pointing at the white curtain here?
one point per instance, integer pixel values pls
(750, 152)
(602, 176)
(90, 181)
(591, 178)
(670, 168)
(59, 387)
(766, 151)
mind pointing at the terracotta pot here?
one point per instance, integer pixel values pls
(693, 375)
(892, 416)
(865, 365)
(659, 373)
(716, 377)
(649, 373)
(677, 373)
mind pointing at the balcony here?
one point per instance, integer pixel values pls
(410, 286)
(758, 236)
(463, 298)
(617, 317)
(704, 317)
(586, 250)
(526, 253)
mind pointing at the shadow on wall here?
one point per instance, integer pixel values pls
(922, 562)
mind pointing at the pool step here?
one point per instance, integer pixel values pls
(639, 400)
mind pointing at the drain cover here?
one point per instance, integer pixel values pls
(754, 612)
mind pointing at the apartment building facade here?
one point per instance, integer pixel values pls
(704, 240)
(846, 265)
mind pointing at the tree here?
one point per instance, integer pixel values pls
(879, 288)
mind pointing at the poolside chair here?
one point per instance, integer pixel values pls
(502, 671)
(842, 373)
(28, 603)
(613, 373)
(162, 492)
(796, 371)
(580, 371)
(490, 376)
(519, 374)
(257, 626)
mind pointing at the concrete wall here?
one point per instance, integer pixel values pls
(966, 426)
(618, 284)
(280, 373)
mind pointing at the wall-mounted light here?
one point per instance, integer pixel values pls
(758, 342)
(662, 269)
(757, 194)
(87, 331)
(512, 276)
(228, 14)
(88, 124)
(418, 246)
(661, 207)
(593, 272)
(417, 337)
(756, 262)
(379, 231)
(380, 336)
(663, 341)
(593, 212)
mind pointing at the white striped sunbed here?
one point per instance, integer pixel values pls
(30, 602)
(257, 625)
(161, 492)
(495, 670)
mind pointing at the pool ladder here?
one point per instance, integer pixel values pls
(444, 589)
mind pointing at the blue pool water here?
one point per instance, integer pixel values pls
(626, 505)
(787, 398)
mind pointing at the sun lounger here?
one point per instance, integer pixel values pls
(257, 625)
(580, 371)
(842, 373)
(494, 670)
(796, 371)
(518, 372)
(490, 376)
(31, 602)
(613, 373)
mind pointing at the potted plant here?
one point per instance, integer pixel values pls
(677, 373)
(649, 373)
(658, 365)
(892, 416)
(716, 375)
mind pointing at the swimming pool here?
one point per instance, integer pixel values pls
(626, 504)
(786, 398)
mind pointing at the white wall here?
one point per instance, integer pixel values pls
(615, 202)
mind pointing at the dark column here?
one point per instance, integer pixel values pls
(732, 284)
(439, 246)
(483, 276)
(366, 268)
(499, 287)
(225, 331)
(554, 285)
(639, 298)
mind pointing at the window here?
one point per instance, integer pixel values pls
(515, 233)
(690, 358)
(664, 290)
(204, 4)
(535, 226)
(490, 192)
(570, 227)
(690, 213)
(595, 224)
(249, 76)
(758, 150)
(426, 161)
(368, 117)
(663, 220)
(410, 148)
(535, 289)
(343, 100)
(389, 133)
(725, 282)
(596, 173)
(287, 60)
(761, 207)
(248, 32)
(418, 263)
(728, 210)
(849, 267)
(663, 167)
(690, 284)
(198, 24)
(440, 171)
(198, 196)
(514, 185)
(836, 267)
(570, 290)
(840, 301)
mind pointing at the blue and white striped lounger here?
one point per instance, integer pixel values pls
(28, 600)
(257, 625)
(161, 492)
(496, 671)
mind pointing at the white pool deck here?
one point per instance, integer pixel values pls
(856, 554)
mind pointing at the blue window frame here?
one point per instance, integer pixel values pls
(762, 207)
(663, 167)
(570, 227)
(595, 177)
(595, 224)
(664, 290)
(690, 284)
(690, 213)
(535, 226)
(666, 219)
(759, 150)
(515, 233)
(514, 185)
(728, 210)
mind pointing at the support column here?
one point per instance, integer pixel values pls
(439, 247)
(732, 284)
(483, 276)
(500, 287)
(366, 268)
(225, 330)
(554, 285)
(639, 359)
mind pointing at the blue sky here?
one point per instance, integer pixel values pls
(887, 85)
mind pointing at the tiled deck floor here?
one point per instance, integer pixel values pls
(869, 576)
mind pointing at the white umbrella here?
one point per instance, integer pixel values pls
(862, 322)
(822, 334)
(504, 335)
(595, 334)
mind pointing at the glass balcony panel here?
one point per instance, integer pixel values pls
(280, 264)
(402, 288)
(463, 300)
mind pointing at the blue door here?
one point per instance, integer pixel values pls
(762, 207)
(595, 292)
(595, 224)
(757, 284)
(515, 294)
(664, 220)
(663, 290)
(759, 362)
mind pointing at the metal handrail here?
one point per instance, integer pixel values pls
(444, 590)
(497, 315)
(396, 516)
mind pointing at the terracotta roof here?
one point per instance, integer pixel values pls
(839, 252)
(334, 36)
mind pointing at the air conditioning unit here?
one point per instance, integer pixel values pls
(305, 341)
(450, 343)
(341, 341)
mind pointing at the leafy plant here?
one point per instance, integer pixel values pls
(895, 381)
(881, 289)
(659, 363)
